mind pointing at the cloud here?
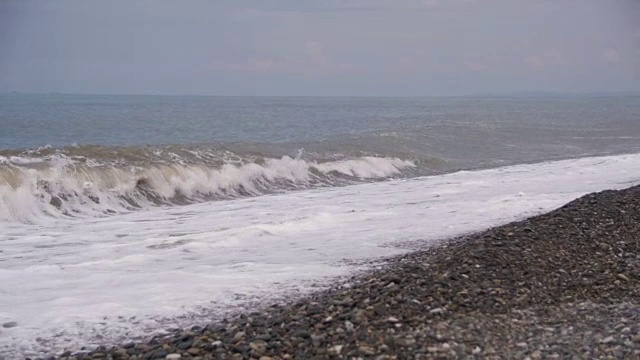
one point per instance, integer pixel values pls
(358, 6)
(266, 65)
(552, 57)
(446, 4)
(535, 62)
(314, 62)
(474, 65)
(320, 62)
(403, 66)
(431, 3)
(612, 56)
(316, 53)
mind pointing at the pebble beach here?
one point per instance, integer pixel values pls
(347, 179)
(559, 285)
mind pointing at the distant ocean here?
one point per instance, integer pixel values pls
(121, 216)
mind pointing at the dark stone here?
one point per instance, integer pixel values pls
(184, 345)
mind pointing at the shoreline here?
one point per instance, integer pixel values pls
(556, 285)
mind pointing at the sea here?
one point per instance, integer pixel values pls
(125, 216)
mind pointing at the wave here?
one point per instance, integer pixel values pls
(61, 185)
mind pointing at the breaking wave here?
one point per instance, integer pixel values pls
(59, 185)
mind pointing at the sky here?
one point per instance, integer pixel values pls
(319, 48)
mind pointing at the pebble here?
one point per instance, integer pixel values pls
(366, 350)
(259, 347)
(608, 340)
(238, 336)
(349, 326)
(336, 349)
(193, 351)
(623, 277)
(490, 291)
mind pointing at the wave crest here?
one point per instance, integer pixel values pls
(64, 187)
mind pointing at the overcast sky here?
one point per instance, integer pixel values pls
(329, 47)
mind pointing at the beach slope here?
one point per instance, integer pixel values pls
(556, 285)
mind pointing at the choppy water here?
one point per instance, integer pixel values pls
(70, 155)
(121, 216)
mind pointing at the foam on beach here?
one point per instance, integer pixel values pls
(122, 276)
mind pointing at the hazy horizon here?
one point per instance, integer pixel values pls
(330, 48)
(523, 93)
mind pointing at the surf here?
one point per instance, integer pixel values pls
(177, 265)
(61, 186)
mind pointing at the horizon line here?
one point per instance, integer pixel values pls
(487, 94)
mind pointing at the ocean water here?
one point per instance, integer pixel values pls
(122, 216)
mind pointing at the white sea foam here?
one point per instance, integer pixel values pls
(67, 280)
(66, 188)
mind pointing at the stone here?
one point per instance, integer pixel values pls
(349, 326)
(407, 341)
(265, 337)
(173, 357)
(608, 340)
(623, 277)
(185, 345)
(260, 347)
(194, 351)
(316, 339)
(335, 350)
(9, 324)
(303, 334)
(366, 350)
(239, 336)
(119, 353)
